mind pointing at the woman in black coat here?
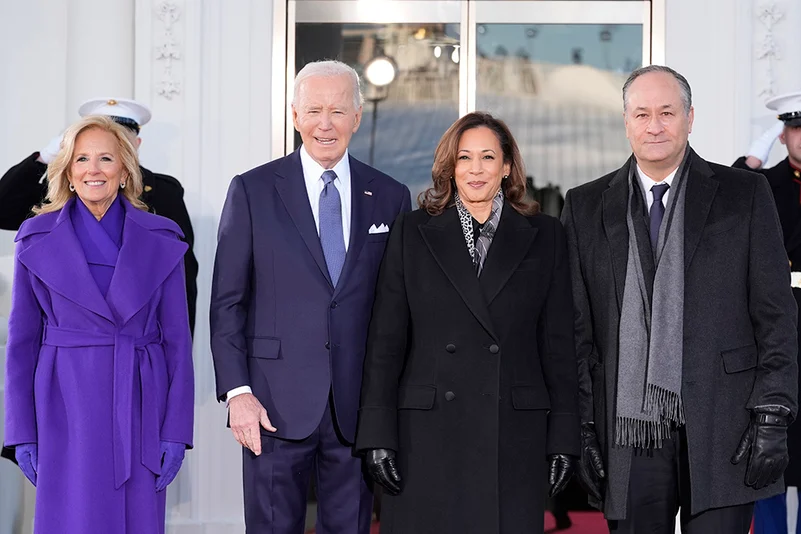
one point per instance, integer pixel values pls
(469, 393)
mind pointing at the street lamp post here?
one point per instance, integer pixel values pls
(379, 73)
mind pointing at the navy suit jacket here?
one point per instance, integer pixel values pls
(277, 322)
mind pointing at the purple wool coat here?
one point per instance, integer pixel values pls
(98, 382)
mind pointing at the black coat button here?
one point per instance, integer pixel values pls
(495, 349)
(450, 347)
(450, 395)
(333, 305)
(327, 345)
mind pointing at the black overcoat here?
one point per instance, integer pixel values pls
(739, 322)
(785, 185)
(471, 380)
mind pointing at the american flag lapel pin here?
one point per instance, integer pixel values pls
(368, 193)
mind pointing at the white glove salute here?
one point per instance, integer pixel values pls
(760, 148)
(48, 153)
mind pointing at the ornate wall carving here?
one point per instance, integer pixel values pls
(168, 49)
(767, 49)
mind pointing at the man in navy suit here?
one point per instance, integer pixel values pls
(299, 245)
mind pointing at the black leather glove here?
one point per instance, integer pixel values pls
(560, 469)
(591, 465)
(766, 439)
(382, 469)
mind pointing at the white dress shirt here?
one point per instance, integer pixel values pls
(313, 177)
(647, 184)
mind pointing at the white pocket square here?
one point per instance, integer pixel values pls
(381, 229)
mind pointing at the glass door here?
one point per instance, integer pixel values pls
(553, 70)
(402, 120)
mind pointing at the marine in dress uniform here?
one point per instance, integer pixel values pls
(25, 184)
(770, 515)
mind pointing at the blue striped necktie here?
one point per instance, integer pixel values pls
(331, 237)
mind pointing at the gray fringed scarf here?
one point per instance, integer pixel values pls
(479, 247)
(651, 337)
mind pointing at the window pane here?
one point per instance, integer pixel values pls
(558, 87)
(408, 117)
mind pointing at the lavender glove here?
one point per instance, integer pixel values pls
(172, 455)
(27, 456)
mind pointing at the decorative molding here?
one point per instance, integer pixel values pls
(169, 50)
(767, 49)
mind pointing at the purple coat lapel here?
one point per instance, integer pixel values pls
(149, 253)
(100, 240)
(74, 283)
(95, 237)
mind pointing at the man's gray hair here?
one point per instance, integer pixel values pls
(328, 69)
(686, 92)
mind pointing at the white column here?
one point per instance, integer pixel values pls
(204, 69)
(710, 44)
(100, 51)
(776, 63)
(33, 37)
(55, 54)
(32, 57)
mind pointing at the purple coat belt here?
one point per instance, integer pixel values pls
(127, 356)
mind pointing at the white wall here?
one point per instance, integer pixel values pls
(716, 44)
(50, 60)
(55, 54)
(214, 125)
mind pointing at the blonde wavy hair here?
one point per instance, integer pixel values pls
(58, 171)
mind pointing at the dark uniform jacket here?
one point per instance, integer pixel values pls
(739, 322)
(472, 380)
(786, 189)
(24, 186)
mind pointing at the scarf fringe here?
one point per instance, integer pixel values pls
(666, 408)
(663, 404)
(630, 432)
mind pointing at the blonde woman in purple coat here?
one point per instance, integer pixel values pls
(99, 378)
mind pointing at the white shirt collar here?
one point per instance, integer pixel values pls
(313, 180)
(313, 171)
(647, 183)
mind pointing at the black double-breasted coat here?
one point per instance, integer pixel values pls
(739, 346)
(472, 380)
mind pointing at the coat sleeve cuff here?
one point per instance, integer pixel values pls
(378, 429)
(564, 434)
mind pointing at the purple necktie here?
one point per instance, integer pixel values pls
(657, 211)
(331, 237)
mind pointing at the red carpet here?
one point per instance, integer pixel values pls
(583, 523)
